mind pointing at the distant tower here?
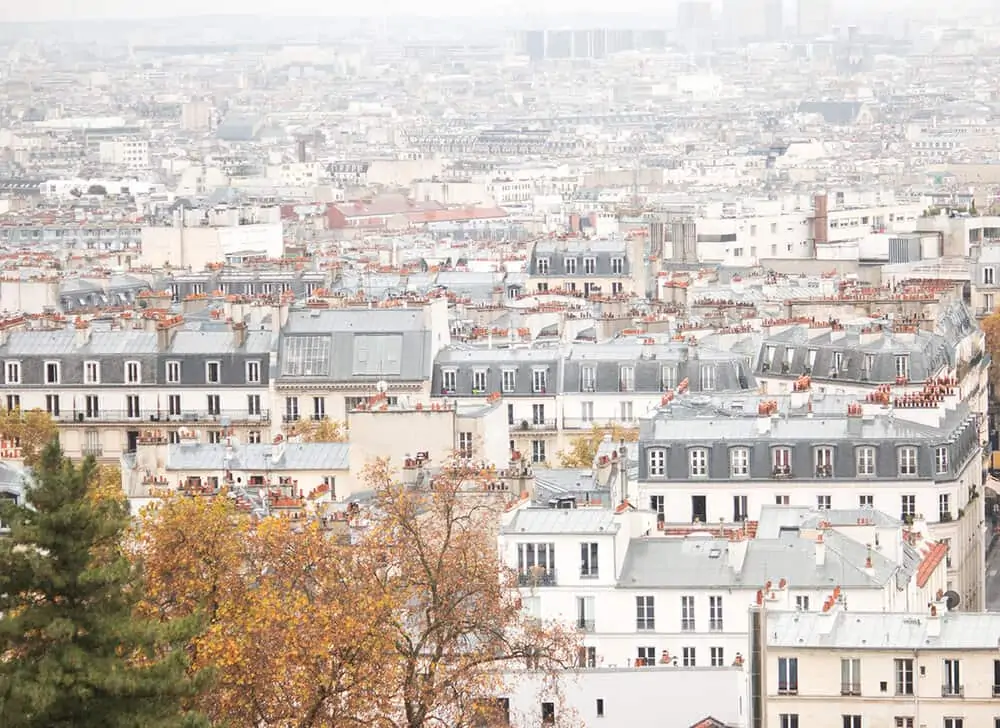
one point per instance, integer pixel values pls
(301, 150)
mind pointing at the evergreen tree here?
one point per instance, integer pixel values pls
(73, 651)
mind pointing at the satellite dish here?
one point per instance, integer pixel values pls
(382, 386)
(951, 599)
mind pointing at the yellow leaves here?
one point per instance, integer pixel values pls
(33, 429)
(106, 485)
(991, 328)
(583, 449)
(324, 430)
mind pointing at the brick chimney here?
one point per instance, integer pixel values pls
(239, 334)
(166, 328)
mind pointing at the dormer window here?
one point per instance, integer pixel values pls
(617, 266)
(698, 462)
(588, 379)
(12, 372)
(133, 372)
(908, 460)
(739, 462)
(539, 381)
(812, 359)
(508, 380)
(707, 377)
(542, 265)
(838, 361)
(449, 379)
(626, 379)
(824, 462)
(941, 460)
(91, 372)
(656, 459)
(781, 461)
(668, 377)
(479, 381)
(902, 366)
(51, 369)
(213, 372)
(569, 265)
(589, 266)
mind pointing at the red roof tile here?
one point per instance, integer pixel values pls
(934, 556)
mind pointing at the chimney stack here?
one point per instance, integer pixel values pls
(934, 620)
(82, 331)
(820, 551)
(239, 334)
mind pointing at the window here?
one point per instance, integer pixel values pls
(543, 266)
(788, 675)
(589, 266)
(626, 379)
(838, 361)
(903, 366)
(906, 722)
(952, 685)
(91, 406)
(585, 613)
(823, 502)
(850, 676)
(536, 559)
(587, 411)
(91, 372)
(538, 451)
(132, 406)
(782, 500)
(51, 372)
(852, 721)
(173, 372)
(802, 602)
(253, 437)
(588, 379)
(788, 720)
(479, 381)
(687, 614)
(645, 656)
(907, 507)
(319, 408)
(465, 445)
(657, 506)
(13, 402)
(781, 460)
(698, 462)
(214, 405)
(213, 372)
(904, 676)
(645, 613)
(617, 266)
(941, 460)
(717, 657)
(588, 561)
(715, 613)
(866, 460)
(569, 265)
(253, 372)
(133, 372)
(253, 405)
(668, 377)
(739, 462)
(538, 414)
(944, 507)
(866, 501)
(739, 508)
(539, 380)
(291, 409)
(600, 707)
(508, 380)
(824, 462)
(708, 378)
(996, 678)
(173, 405)
(989, 274)
(548, 713)
(656, 458)
(52, 404)
(12, 370)
(449, 377)
(688, 657)
(586, 657)
(907, 461)
(625, 409)
(954, 723)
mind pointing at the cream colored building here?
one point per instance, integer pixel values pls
(843, 669)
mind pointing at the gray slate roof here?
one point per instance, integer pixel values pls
(322, 456)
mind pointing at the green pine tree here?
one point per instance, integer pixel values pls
(73, 652)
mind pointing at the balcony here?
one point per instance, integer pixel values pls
(687, 625)
(95, 450)
(951, 690)
(538, 425)
(537, 576)
(781, 472)
(162, 417)
(715, 625)
(585, 625)
(996, 691)
(850, 688)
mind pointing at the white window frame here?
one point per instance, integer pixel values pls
(656, 461)
(45, 371)
(781, 462)
(480, 380)
(569, 265)
(617, 266)
(508, 380)
(698, 462)
(908, 505)
(449, 380)
(543, 266)
(89, 365)
(907, 461)
(15, 368)
(739, 462)
(590, 266)
(865, 458)
(218, 372)
(902, 362)
(253, 371)
(626, 378)
(539, 381)
(588, 379)
(172, 371)
(941, 459)
(138, 371)
(707, 377)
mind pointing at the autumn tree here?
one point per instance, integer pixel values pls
(324, 430)
(74, 652)
(991, 328)
(583, 449)
(31, 429)
(458, 632)
(291, 637)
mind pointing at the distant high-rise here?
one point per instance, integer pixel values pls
(813, 18)
(753, 19)
(694, 15)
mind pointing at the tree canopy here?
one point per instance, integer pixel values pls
(74, 653)
(583, 449)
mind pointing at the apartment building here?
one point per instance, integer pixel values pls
(105, 384)
(861, 669)
(643, 597)
(555, 393)
(709, 460)
(590, 267)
